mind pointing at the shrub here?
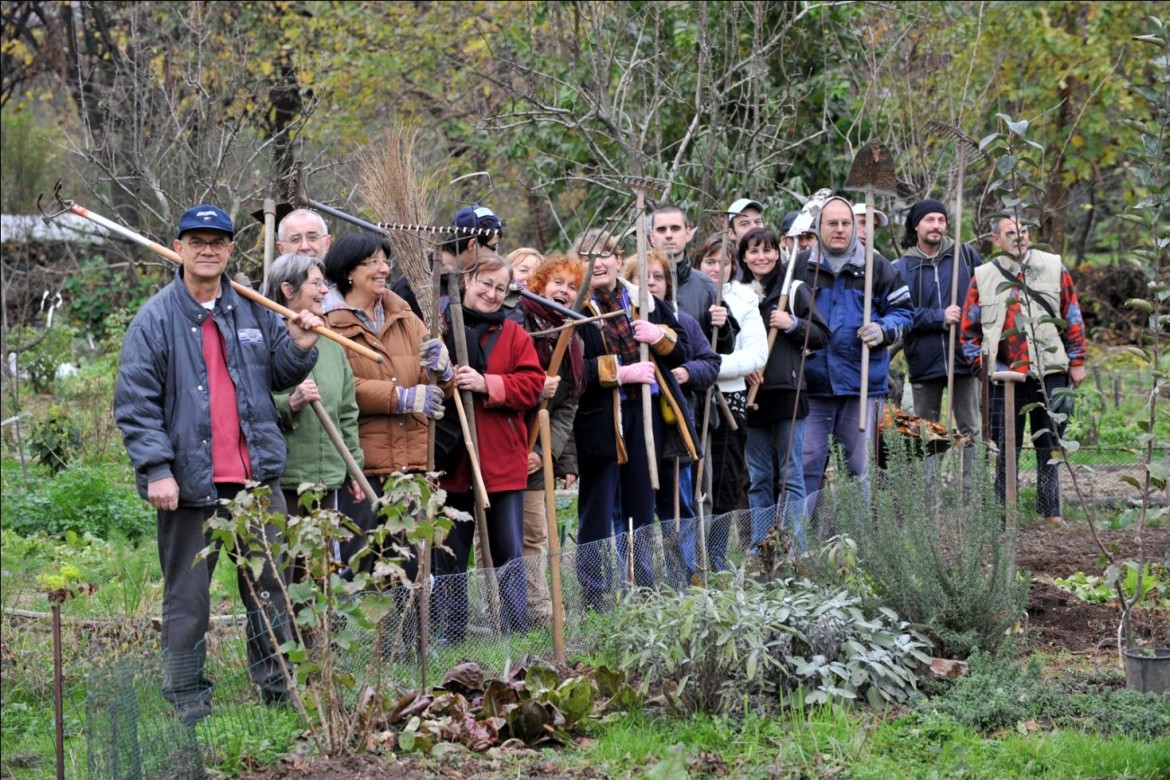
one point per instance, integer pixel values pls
(931, 546)
(81, 499)
(1001, 693)
(708, 649)
(54, 440)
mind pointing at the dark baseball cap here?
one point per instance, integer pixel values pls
(478, 217)
(206, 217)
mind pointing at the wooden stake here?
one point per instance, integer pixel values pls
(554, 545)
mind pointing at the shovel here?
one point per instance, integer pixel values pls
(873, 173)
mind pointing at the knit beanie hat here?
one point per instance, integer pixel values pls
(921, 209)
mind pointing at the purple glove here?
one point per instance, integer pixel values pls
(647, 332)
(434, 357)
(426, 400)
(636, 374)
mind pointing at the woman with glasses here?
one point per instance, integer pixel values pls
(298, 282)
(396, 397)
(504, 376)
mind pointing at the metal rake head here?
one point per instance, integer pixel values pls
(64, 205)
(963, 141)
(647, 185)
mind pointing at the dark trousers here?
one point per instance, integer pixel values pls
(505, 523)
(186, 609)
(1045, 438)
(727, 468)
(608, 490)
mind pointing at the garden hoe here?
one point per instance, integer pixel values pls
(872, 173)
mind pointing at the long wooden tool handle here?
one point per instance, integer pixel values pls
(351, 465)
(866, 307)
(554, 367)
(644, 349)
(243, 290)
(554, 544)
(957, 262)
(473, 456)
(754, 390)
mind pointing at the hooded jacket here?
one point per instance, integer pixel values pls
(161, 400)
(929, 281)
(391, 442)
(835, 371)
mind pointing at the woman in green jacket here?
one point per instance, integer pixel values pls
(298, 282)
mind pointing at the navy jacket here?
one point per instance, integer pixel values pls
(929, 282)
(161, 401)
(836, 369)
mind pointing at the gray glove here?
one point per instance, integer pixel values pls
(434, 357)
(871, 335)
(426, 400)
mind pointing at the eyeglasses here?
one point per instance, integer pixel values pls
(218, 244)
(320, 284)
(486, 286)
(297, 238)
(835, 225)
(371, 262)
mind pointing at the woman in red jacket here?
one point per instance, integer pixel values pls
(504, 375)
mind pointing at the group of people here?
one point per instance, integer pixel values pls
(740, 366)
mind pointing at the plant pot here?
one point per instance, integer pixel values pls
(1148, 670)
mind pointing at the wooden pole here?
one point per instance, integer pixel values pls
(351, 465)
(554, 545)
(866, 308)
(1009, 379)
(269, 234)
(644, 349)
(243, 290)
(956, 263)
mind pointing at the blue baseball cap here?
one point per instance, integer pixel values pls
(206, 217)
(478, 217)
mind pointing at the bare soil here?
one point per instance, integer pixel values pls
(1060, 625)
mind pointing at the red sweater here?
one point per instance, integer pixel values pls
(514, 382)
(230, 462)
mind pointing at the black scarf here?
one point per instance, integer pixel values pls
(476, 326)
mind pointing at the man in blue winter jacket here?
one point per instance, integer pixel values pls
(835, 269)
(928, 268)
(193, 400)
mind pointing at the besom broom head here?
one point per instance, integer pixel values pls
(396, 190)
(873, 170)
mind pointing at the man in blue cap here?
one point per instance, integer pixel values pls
(193, 400)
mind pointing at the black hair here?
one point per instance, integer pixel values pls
(761, 235)
(347, 253)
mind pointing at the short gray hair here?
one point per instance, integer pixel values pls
(292, 268)
(300, 213)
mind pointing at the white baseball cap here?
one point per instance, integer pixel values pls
(882, 219)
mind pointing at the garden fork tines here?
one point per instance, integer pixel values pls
(65, 205)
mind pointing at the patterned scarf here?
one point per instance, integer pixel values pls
(619, 332)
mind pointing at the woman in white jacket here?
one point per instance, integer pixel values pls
(725, 455)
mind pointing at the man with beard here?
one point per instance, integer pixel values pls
(836, 271)
(928, 268)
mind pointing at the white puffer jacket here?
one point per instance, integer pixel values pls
(751, 345)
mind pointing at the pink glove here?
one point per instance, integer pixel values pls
(647, 332)
(636, 374)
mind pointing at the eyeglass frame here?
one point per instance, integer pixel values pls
(217, 244)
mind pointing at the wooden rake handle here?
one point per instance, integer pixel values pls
(243, 290)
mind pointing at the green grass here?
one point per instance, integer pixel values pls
(832, 742)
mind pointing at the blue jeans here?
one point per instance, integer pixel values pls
(775, 462)
(839, 418)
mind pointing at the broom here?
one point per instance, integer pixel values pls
(396, 189)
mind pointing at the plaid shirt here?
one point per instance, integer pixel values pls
(1013, 347)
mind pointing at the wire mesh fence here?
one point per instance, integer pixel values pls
(131, 730)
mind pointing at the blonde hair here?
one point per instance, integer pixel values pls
(630, 266)
(516, 255)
